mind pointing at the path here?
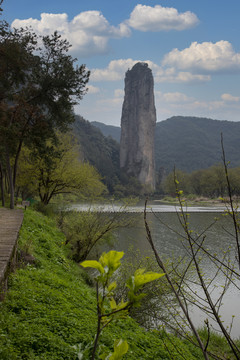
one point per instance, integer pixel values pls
(10, 224)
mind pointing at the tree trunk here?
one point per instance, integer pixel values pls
(2, 186)
(10, 178)
(15, 167)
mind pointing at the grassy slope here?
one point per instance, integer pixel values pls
(49, 307)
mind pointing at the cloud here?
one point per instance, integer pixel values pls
(116, 70)
(177, 97)
(206, 57)
(176, 103)
(88, 32)
(107, 108)
(230, 98)
(159, 18)
(119, 93)
(171, 75)
(93, 89)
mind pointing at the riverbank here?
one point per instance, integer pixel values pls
(50, 309)
(193, 201)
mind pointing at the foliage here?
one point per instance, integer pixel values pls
(209, 182)
(41, 317)
(56, 169)
(120, 349)
(99, 151)
(210, 300)
(108, 309)
(49, 309)
(189, 143)
(169, 185)
(103, 153)
(85, 230)
(39, 86)
(154, 307)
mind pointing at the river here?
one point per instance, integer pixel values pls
(168, 237)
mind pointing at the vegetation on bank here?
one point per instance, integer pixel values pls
(49, 310)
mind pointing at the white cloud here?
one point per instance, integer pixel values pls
(159, 18)
(88, 32)
(107, 108)
(205, 57)
(93, 89)
(171, 75)
(177, 97)
(170, 104)
(116, 70)
(113, 72)
(48, 23)
(230, 98)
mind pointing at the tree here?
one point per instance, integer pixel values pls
(234, 175)
(39, 84)
(56, 169)
(213, 182)
(85, 230)
(169, 186)
(205, 297)
(154, 307)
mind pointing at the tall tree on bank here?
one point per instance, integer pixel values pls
(39, 84)
(57, 169)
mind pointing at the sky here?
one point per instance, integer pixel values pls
(191, 46)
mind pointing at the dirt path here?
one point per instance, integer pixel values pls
(10, 224)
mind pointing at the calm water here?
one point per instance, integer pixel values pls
(168, 238)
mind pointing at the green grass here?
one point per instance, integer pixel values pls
(49, 307)
(46, 308)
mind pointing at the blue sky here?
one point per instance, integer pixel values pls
(192, 47)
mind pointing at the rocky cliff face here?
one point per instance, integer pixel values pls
(138, 125)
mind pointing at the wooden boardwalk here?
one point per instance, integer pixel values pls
(10, 224)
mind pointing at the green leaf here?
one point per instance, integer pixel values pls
(122, 305)
(113, 304)
(93, 264)
(120, 349)
(111, 260)
(141, 278)
(130, 283)
(135, 299)
(112, 286)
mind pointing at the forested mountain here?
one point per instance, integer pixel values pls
(108, 130)
(99, 150)
(190, 143)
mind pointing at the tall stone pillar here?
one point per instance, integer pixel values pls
(138, 125)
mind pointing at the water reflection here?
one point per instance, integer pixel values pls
(168, 237)
(156, 207)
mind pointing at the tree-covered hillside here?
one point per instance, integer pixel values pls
(100, 151)
(108, 130)
(190, 143)
(193, 143)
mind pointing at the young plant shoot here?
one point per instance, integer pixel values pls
(108, 309)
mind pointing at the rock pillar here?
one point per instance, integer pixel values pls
(138, 125)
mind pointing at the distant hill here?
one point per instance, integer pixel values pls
(108, 130)
(189, 143)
